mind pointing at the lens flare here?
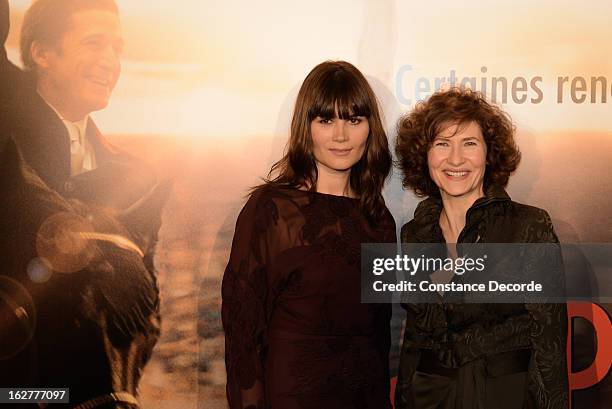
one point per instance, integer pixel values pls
(60, 242)
(39, 270)
(17, 317)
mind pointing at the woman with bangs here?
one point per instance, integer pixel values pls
(296, 333)
(459, 151)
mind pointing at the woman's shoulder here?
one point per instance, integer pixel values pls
(529, 215)
(415, 231)
(532, 223)
(270, 202)
(407, 230)
(424, 227)
(271, 191)
(264, 196)
(528, 211)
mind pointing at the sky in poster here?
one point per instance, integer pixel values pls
(230, 68)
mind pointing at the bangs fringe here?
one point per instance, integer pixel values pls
(339, 94)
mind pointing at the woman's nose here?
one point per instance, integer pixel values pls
(456, 156)
(340, 134)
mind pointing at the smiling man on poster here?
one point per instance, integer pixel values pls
(71, 53)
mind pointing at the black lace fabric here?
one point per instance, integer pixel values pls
(297, 335)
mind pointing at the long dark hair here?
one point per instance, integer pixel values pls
(336, 86)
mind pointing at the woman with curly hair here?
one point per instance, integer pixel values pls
(296, 334)
(458, 150)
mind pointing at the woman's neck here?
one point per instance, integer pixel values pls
(454, 211)
(334, 182)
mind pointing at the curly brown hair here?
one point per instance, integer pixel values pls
(417, 130)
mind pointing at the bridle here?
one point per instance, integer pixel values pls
(116, 239)
(113, 397)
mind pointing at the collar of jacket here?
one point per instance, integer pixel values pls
(427, 215)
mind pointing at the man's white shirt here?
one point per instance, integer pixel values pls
(82, 154)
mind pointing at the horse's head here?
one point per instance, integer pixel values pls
(79, 302)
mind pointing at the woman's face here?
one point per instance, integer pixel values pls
(338, 144)
(457, 161)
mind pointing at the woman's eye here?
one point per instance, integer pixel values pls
(470, 143)
(355, 120)
(440, 143)
(325, 121)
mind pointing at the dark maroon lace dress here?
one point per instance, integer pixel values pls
(296, 334)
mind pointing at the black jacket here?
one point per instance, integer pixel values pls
(463, 336)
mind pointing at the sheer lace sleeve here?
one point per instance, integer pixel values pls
(244, 312)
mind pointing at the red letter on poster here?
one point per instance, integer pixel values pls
(598, 370)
